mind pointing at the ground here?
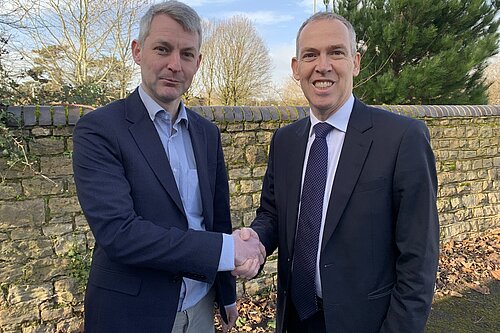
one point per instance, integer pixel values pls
(467, 298)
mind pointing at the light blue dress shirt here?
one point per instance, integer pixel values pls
(179, 149)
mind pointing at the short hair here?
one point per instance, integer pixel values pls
(328, 16)
(178, 11)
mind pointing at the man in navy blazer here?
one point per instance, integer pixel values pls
(152, 183)
(377, 252)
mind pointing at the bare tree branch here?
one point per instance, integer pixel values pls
(236, 67)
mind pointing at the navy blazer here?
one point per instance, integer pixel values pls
(379, 252)
(129, 196)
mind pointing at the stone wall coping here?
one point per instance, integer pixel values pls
(35, 115)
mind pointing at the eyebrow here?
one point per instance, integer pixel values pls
(329, 48)
(169, 45)
(338, 46)
(308, 49)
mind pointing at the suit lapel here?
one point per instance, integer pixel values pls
(145, 135)
(199, 142)
(294, 165)
(354, 152)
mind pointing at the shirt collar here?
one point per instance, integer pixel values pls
(153, 108)
(338, 119)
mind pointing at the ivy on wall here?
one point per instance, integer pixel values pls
(12, 146)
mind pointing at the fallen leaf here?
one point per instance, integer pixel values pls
(481, 289)
(454, 293)
(467, 264)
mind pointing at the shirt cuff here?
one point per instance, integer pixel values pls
(226, 261)
(229, 306)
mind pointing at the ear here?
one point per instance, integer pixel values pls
(136, 52)
(295, 69)
(198, 61)
(357, 64)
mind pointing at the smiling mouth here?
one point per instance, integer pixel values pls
(323, 84)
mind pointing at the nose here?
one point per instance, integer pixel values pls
(323, 65)
(174, 62)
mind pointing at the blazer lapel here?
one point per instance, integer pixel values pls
(295, 163)
(354, 152)
(199, 142)
(145, 135)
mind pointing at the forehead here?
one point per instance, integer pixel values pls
(166, 29)
(323, 32)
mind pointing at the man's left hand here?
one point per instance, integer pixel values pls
(232, 315)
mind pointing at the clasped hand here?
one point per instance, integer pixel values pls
(249, 253)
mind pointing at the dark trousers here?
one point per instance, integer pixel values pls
(314, 324)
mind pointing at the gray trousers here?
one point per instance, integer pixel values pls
(198, 318)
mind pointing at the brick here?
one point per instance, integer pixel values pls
(248, 113)
(59, 117)
(35, 187)
(41, 131)
(21, 213)
(29, 115)
(47, 146)
(73, 115)
(56, 165)
(238, 113)
(228, 113)
(15, 118)
(26, 293)
(10, 190)
(62, 206)
(45, 116)
(22, 313)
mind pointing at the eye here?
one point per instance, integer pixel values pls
(309, 56)
(161, 50)
(337, 53)
(188, 55)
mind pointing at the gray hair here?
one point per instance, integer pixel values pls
(178, 11)
(328, 16)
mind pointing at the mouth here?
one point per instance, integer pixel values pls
(169, 81)
(323, 84)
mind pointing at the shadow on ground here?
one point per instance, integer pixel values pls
(474, 312)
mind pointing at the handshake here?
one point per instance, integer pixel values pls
(249, 253)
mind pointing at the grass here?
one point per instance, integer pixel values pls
(474, 312)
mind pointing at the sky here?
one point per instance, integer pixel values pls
(276, 21)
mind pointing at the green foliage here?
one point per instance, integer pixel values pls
(79, 265)
(241, 322)
(47, 93)
(12, 147)
(87, 94)
(423, 51)
(47, 84)
(7, 84)
(272, 324)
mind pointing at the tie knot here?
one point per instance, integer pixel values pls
(321, 130)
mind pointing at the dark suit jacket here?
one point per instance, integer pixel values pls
(129, 196)
(379, 253)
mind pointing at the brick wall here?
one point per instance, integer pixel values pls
(45, 241)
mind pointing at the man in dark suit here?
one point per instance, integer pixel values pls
(357, 228)
(152, 183)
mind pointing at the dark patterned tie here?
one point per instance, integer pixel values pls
(307, 239)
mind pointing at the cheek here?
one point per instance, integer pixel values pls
(190, 71)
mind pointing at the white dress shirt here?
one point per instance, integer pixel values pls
(335, 140)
